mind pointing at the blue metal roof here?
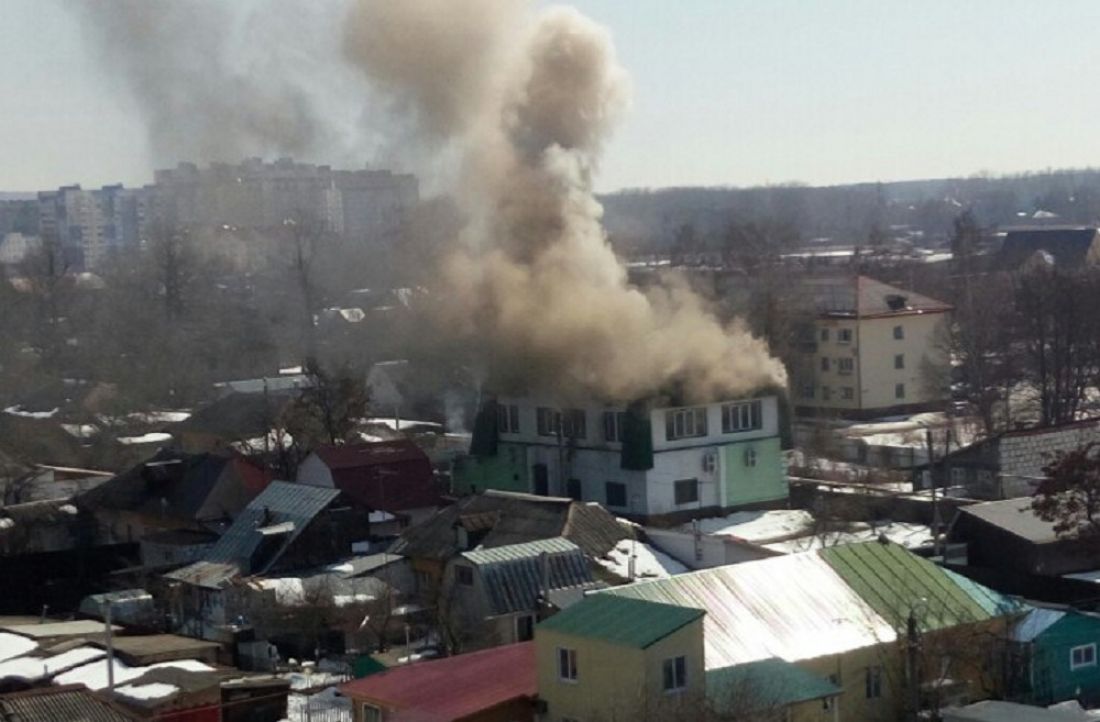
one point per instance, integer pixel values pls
(512, 575)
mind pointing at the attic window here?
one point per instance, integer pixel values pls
(896, 302)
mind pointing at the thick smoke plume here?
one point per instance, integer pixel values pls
(527, 101)
(202, 97)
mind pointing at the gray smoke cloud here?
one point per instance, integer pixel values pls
(203, 95)
(526, 101)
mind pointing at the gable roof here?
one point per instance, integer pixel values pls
(74, 703)
(452, 688)
(1069, 247)
(622, 621)
(238, 415)
(1015, 517)
(1034, 623)
(865, 297)
(513, 575)
(282, 510)
(510, 518)
(812, 604)
(354, 456)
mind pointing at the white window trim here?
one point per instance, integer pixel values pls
(576, 674)
(1083, 665)
(684, 682)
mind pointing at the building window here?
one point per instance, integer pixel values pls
(465, 576)
(371, 713)
(826, 393)
(508, 418)
(675, 674)
(873, 683)
(567, 665)
(845, 365)
(573, 489)
(899, 391)
(844, 335)
(824, 363)
(899, 332)
(686, 491)
(899, 360)
(824, 334)
(613, 424)
(547, 421)
(847, 393)
(807, 391)
(742, 417)
(615, 493)
(525, 628)
(1083, 656)
(685, 423)
(750, 456)
(574, 424)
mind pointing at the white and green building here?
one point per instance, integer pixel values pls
(647, 460)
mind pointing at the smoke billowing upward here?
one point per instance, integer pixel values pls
(527, 101)
(201, 98)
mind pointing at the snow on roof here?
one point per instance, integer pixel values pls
(35, 668)
(649, 562)
(1034, 623)
(152, 690)
(18, 411)
(400, 424)
(288, 590)
(757, 526)
(907, 535)
(14, 645)
(155, 437)
(159, 417)
(94, 675)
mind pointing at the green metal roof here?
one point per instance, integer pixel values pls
(621, 620)
(764, 684)
(896, 583)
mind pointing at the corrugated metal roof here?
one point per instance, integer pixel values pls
(899, 584)
(792, 607)
(279, 503)
(765, 684)
(205, 574)
(74, 703)
(621, 620)
(512, 575)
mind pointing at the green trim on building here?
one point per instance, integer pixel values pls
(505, 471)
(621, 620)
(765, 479)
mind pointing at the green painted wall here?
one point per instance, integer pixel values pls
(1053, 679)
(766, 481)
(507, 471)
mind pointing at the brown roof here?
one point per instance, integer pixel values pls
(352, 456)
(70, 703)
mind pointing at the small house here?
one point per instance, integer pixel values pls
(1054, 657)
(487, 686)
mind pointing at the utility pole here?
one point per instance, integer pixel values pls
(110, 651)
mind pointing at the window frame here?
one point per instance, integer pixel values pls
(749, 416)
(847, 393)
(844, 335)
(899, 390)
(845, 366)
(1074, 665)
(547, 421)
(607, 496)
(899, 333)
(613, 423)
(573, 423)
(375, 711)
(825, 364)
(680, 484)
(679, 420)
(899, 361)
(824, 335)
(567, 665)
(674, 675)
(507, 418)
(872, 683)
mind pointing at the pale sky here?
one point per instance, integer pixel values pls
(726, 92)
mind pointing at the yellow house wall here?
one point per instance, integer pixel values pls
(877, 348)
(616, 684)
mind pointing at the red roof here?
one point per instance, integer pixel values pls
(354, 456)
(449, 689)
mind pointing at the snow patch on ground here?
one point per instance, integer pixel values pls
(649, 562)
(18, 411)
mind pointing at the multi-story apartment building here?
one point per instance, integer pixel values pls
(362, 205)
(873, 349)
(649, 460)
(90, 225)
